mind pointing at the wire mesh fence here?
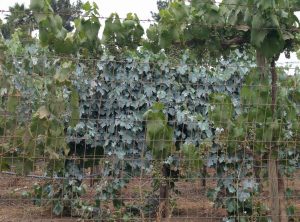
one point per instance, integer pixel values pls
(146, 136)
(135, 140)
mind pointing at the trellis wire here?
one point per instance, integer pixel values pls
(190, 195)
(192, 192)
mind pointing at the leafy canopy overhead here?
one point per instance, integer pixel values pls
(268, 26)
(206, 28)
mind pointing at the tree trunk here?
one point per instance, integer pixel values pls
(91, 178)
(276, 192)
(257, 171)
(282, 200)
(204, 174)
(163, 210)
(273, 189)
(276, 183)
(261, 63)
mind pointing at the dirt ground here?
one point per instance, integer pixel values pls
(191, 204)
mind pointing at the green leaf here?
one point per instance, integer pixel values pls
(52, 154)
(27, 137)
(158, 106)
(13, 101)
(272, 45)
(221, 110)
(38, 127)
(23, 166)
(42, 113)
(231, 205)
(90, 29)
(87, 6)
(178, 9)
(56, 129)
(63, 73)
(37, 5)
(238, 132)
(291, 210)
(259, 31)
(267, 4)
(117, 203)
(168, 35)
(4, 165)
(289, 193)
(192, 156)
(215, 8)
(65, 46)
(129, 24)
(159, 136)
(74, 103)
(57, 106)
(58, 22)
(58, 208)
(274, 20)
(44, 36)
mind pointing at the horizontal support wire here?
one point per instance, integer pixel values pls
(212, 178)
(161, 140)
(130, 64)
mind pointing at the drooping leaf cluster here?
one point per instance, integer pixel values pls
(35, 105)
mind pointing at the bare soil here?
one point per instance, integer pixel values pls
(191, 204)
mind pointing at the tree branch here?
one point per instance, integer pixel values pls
(274, 84)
